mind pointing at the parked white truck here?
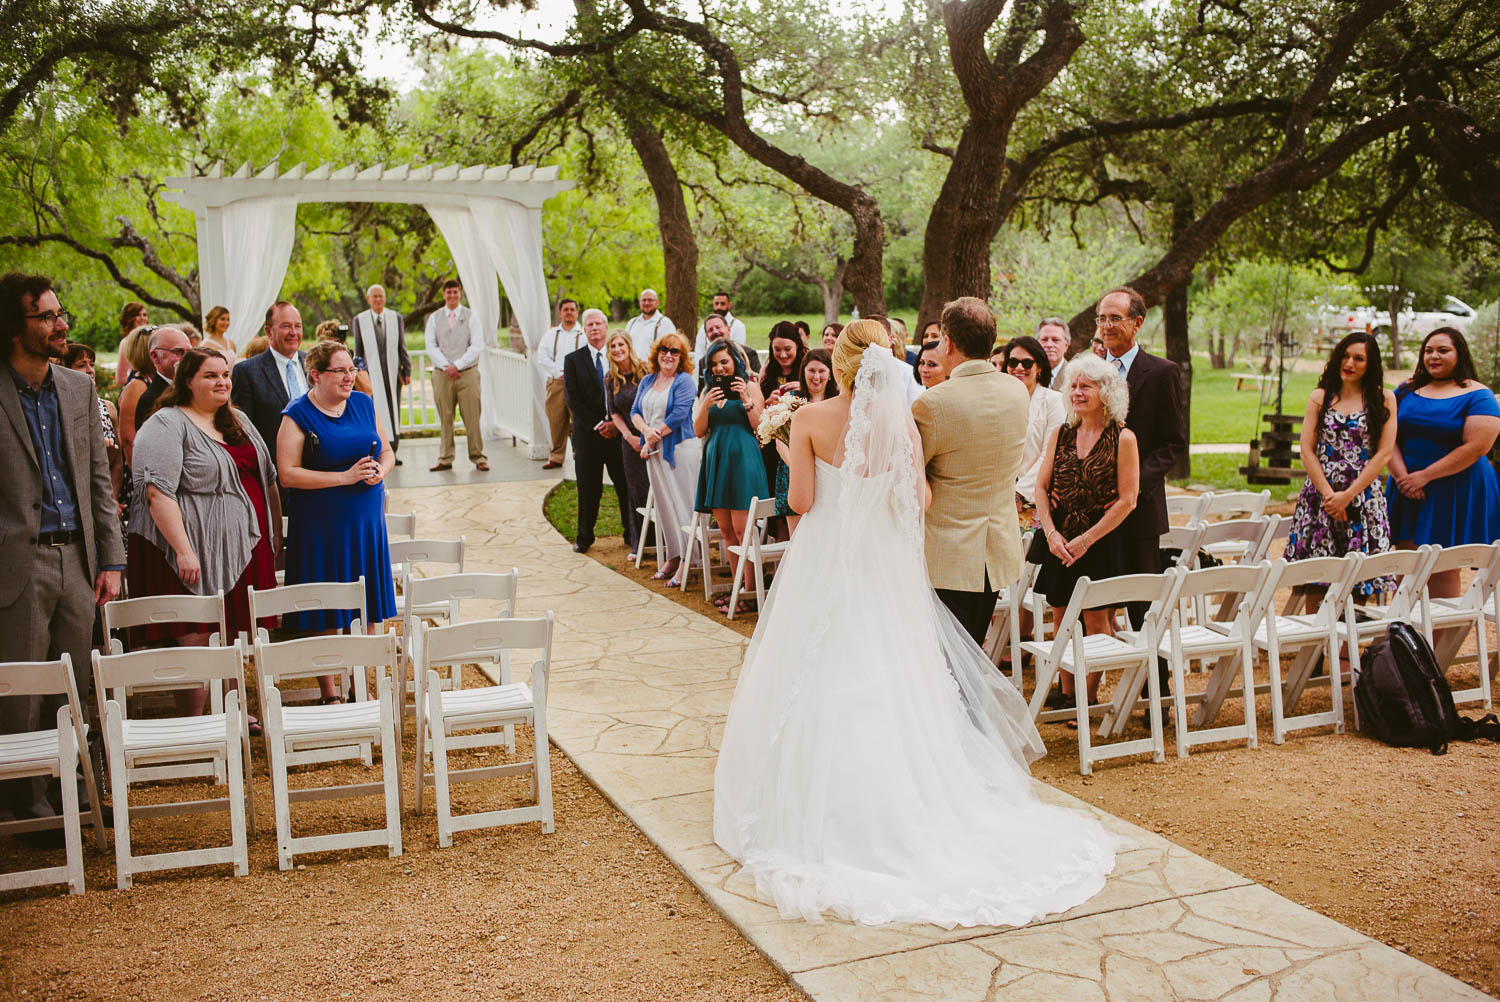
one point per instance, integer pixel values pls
(1413, 325)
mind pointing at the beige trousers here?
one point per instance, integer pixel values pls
(558, 418)
(464, 392)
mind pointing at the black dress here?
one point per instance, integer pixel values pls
(1082, 489)
(621, 400)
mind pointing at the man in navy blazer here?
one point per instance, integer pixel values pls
(262, 386)
(596, 445)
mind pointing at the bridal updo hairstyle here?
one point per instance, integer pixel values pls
(849, 349)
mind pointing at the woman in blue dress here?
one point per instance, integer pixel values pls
(336, 499)
(733, 473)
(1443, 489)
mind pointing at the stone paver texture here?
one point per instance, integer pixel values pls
(640, 690)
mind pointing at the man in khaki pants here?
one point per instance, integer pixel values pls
(454, 344)
(557, 344)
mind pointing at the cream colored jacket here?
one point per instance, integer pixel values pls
(973, 429)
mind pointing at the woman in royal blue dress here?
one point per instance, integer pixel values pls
(336, 501)
(1443, 489)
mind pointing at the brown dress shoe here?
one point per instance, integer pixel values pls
(551, 464)
(482, 466)
(439, 468)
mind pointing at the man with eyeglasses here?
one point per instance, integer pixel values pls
(63, 548)
(167, 346)
(1052, 335)
(1155, 417)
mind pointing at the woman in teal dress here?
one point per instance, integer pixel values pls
(1443, 489)
(732, 473)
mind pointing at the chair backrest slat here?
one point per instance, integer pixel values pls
(427, 551)
(484, 587)
(324, 655)
(405, 525)
(1242, 579)
(1248, 504)
(187, 666)
(200, 610)
(481, 640)
(36, 678)
(313, 596)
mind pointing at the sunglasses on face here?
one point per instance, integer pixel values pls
(1024, 364)
(669, 351)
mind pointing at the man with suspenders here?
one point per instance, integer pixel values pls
(556, 345)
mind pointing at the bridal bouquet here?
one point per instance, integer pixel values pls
(776, 419)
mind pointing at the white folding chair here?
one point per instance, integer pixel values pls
(1242, 590)
(1455, 616)
(1235, 505)
(445, 594)
(1184, 539)
(303, 734)
(134, 744)
(1134, 656)
(1367, 622)
(58, 752)
(310, 597)
(699, 537)
(648, 519)
(1306, 634)
(442, 712)
(1004, 633)
(409, 554)
(1240, 539)
(401, 525)
(756, 551)
(1186, 509)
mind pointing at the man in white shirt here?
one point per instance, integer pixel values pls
(736, 326)
(559, 342)
(650, 325)
(454, 344)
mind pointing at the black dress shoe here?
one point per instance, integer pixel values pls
(398, 462)
(582, 547)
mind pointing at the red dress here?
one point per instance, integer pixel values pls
(149, 573)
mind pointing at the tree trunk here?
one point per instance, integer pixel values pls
(964, 219)
(1175, 330)
(1393, 310)
(679, 245)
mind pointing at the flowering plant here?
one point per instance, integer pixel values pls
(776, 419)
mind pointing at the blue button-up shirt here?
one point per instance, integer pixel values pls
(44, 418)
(1127, 359)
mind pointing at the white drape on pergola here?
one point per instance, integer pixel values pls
(490, 217)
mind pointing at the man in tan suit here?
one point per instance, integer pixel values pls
(973, 426)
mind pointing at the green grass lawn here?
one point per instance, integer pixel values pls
(1221, 471)
(561, 509)
(1223, 414)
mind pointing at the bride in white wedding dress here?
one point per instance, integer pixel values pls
(875, 764)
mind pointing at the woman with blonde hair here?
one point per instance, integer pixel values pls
(132, 318)
(874, 765)
(1088, 482)
(216, 333)
(621, 383)
(663, 413)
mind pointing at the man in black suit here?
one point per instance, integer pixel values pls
(1156, 418)
(595, 438)
(262, 386)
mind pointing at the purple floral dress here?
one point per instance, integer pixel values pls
(1343, 450)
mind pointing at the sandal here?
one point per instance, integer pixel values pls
(254, 727)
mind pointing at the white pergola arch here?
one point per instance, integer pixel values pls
(490, 217)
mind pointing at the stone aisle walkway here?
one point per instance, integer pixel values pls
(640, 690)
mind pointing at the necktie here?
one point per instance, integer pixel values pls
(293, 384)
(599, 367)
(452, 319)
(1119, 365)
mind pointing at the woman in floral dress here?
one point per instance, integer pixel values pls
(1348, 432)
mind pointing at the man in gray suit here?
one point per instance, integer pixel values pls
(59, 526)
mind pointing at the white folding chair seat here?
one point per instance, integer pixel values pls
(401, 525)
(316, 596)
(410, 555)
(207, 611)
(648, 519)
(305, 734)
(442, 712)
(132, 745)
(1455, 617)
(1243, 592)
(1133, 655)
(756, 551)
(58, 751)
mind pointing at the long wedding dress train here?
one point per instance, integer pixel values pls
(875, 764)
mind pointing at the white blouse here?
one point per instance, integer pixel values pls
(1046, 412)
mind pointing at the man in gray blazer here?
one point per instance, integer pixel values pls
(59, 527)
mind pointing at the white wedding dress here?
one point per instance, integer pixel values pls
(875, 763)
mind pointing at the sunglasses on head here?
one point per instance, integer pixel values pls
(1024, 364)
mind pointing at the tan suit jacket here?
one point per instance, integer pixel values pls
(973, 428)
(21, 481)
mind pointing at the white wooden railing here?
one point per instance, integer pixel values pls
(507, 394)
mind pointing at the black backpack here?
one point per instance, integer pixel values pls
(1404, 700)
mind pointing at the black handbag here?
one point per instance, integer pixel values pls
(309, 449)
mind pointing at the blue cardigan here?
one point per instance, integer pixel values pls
(679, 411)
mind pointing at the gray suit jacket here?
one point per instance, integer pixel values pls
(21, 480)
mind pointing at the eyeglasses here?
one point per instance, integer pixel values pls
(1098, 342)
(1024, 364)
(52, 319)
(669, 351)
(1111, 320)
(343, 371)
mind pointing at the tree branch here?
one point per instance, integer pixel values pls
(36, 240)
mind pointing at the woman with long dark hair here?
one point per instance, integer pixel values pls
(732, 474)
(780, 377)
(1443, 489)
(1348, 432)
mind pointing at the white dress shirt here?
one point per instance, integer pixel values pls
(644, 331)
(556, 345)
(1125, 360)
(1046, 411)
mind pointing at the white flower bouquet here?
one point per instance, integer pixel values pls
(776, 419)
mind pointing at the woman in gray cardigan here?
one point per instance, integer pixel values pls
(204, 512)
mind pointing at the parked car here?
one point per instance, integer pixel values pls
(1413, 325)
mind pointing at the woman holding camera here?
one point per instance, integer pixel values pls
(733, 473)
